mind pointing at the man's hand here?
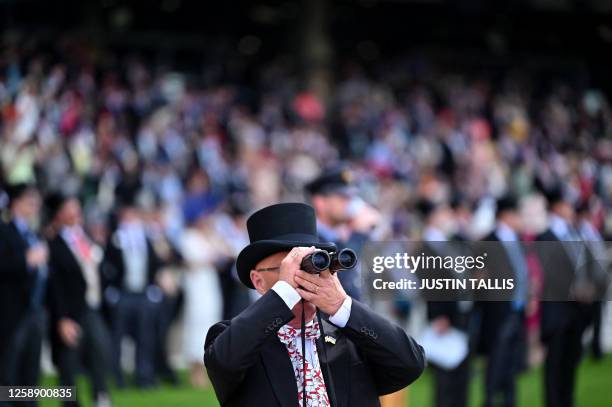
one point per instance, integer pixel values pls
(365, 218)
(323, 290)
(291, 264)
(37, 255)
(69, 331)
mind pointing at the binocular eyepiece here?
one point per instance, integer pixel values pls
(320, 260)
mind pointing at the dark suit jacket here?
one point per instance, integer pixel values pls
(67, 284)
(249, 366)
(113, 266)
(67, 288)
(559, 272)
(493, 314)
(439, 302)
(15, 282)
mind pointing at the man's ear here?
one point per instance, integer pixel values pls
(258, 281)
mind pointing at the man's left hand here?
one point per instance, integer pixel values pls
(323, 290)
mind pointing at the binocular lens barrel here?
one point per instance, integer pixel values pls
(342, 260)
(320, 260)
(316, 262)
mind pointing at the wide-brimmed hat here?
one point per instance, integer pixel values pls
(278, 228)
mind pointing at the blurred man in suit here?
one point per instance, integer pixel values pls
(342, 217)
(130, 268)
(443, 313)
(78, 333)
(563, 321)
(23, 280)
(502, 329)
(589, 232)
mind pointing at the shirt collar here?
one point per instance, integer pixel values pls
(68, 232)
(21, 224)
(559, 226)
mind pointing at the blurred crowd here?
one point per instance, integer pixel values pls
(126, 186)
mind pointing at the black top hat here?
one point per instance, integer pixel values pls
(278, 228)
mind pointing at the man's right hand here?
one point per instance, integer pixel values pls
(69, 331)
(37, 255)
(291, 264)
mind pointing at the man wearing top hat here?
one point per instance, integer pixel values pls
(256, 358)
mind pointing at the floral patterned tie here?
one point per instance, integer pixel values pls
(316, 393)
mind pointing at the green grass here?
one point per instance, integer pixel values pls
(594, 383)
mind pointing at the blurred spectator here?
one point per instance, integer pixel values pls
(451, 384)
(595, 243)
(534, 219)
(232, 230)
(168, 280)
(130, 272)
(78, 333)
(503, 322)
(562, 322)
(202, 249)
(23, 284)
(342, 217)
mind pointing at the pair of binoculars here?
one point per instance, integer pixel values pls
(320, 260)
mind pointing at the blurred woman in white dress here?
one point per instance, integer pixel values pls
(201, 248)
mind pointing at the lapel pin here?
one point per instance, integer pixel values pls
(330, 339)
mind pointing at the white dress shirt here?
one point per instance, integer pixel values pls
(132, 240)
(89, 266)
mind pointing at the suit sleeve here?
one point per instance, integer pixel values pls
(395, 359)
(110, 267)
(14, 266)
(232, 348)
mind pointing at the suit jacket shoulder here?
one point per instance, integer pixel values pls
(547, 236)
(491, 237)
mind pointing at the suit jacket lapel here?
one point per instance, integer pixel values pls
(21, 241)
(280, 372)
(339, 363)
(69, 253)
